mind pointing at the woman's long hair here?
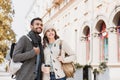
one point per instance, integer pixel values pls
(45, 39)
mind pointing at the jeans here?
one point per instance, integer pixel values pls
(52, 77)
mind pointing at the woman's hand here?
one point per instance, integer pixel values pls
(45, 69)
(60, 58)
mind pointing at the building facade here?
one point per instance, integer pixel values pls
(91, 27)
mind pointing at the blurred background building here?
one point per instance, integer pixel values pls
(91, 27)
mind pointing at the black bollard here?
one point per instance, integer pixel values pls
(86, 72)
(95, 74)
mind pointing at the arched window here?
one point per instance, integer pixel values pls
(103, 42)
(87, 38)
(116, 21)
(118, 35)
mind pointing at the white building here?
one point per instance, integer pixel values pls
(91, 27)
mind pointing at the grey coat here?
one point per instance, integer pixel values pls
(24, 52)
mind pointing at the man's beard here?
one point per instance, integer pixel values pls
(38, 32)
(35, 30)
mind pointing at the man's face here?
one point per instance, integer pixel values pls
(37, 26)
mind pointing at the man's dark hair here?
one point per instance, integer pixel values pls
(35, 19)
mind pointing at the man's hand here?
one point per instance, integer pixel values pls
(37, 50)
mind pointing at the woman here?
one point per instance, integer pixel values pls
(51, 44)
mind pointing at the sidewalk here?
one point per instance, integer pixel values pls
(5, 76)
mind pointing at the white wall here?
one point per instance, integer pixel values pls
(75, 17)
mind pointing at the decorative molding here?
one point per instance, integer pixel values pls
(75, 30)
(57, 2)
(75, 19)
(99, 6)
(85, 1)
(75, 8)
(84, 38)
(65, 25)
(48, 10)
(105, 33)
(95, 34)
(68, 23)
(112, 29)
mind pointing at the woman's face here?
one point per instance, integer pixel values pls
(50, 33)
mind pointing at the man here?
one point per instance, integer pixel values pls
(30, 53)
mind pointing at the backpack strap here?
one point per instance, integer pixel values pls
(28, 38)
(12, 49)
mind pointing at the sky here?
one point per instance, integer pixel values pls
(21, 8)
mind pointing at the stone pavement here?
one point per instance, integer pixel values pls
(77, 75)
(5, 76)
